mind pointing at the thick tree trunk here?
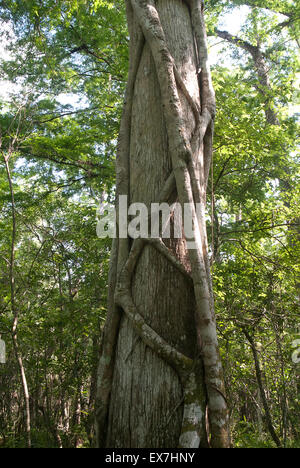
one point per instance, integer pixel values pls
(159, 362)
(146, 393)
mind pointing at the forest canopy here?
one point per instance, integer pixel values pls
(63, 74)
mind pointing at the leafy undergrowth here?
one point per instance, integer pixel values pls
(246, 435)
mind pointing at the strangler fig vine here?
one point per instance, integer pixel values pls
(190, 153)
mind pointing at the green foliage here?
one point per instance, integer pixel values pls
(67, 65)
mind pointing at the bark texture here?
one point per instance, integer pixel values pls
(160, 365)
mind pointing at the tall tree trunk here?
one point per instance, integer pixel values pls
(260, 66)
(14, 306)
(160, 362)
(263, 395)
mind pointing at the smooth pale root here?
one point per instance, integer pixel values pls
(189, 440)
(220, 423)
(2, 352)
(193, 413)
(218, 404)
(103, 363)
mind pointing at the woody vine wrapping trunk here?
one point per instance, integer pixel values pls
(160, 369)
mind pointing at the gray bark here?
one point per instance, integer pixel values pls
(165, 358)
(145, 389)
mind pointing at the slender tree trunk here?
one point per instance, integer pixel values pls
(14, 306)
(160, 363)
(259, 378)
(260, 66)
